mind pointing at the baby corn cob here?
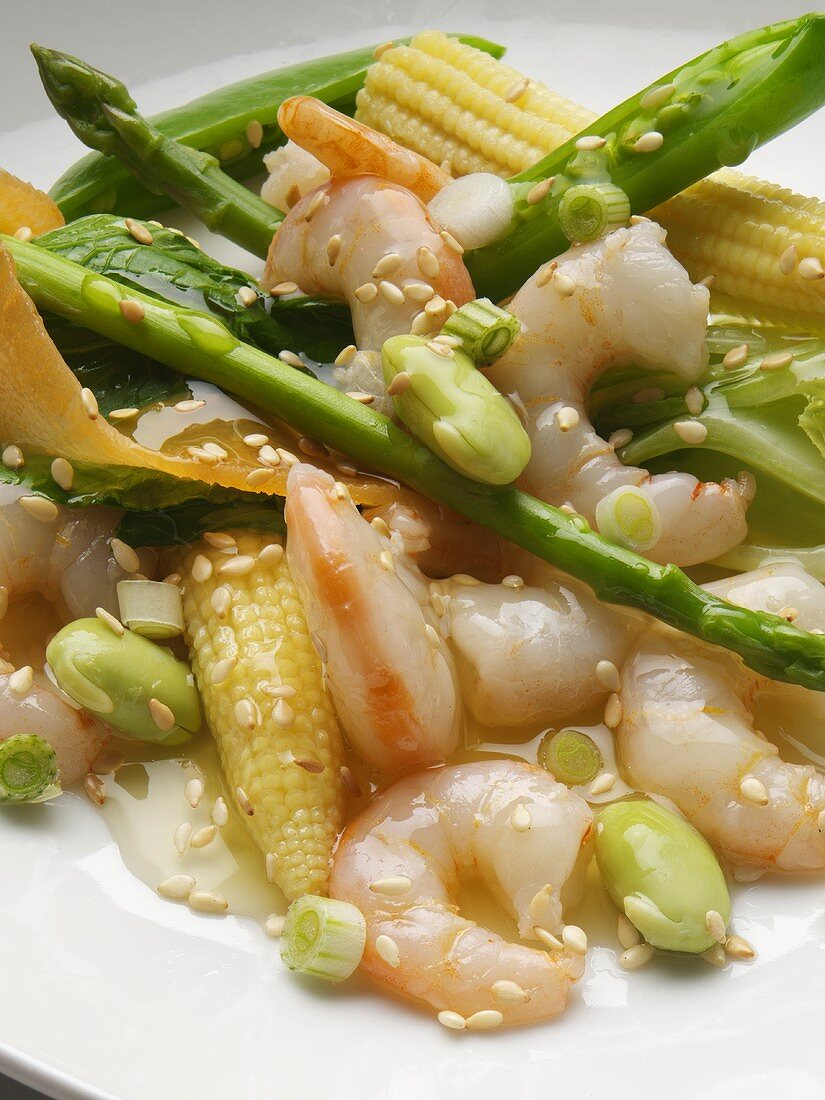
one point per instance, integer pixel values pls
(764, 245)
(261, 684)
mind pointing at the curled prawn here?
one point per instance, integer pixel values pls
(619, 300)
(401, 861)
(67, 561)
(688, 731)
(388, 669)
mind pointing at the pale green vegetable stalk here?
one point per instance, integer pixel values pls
(323, 937)
(28, 769)
(571, 757)
(629, 517)
(152, 609)
(485, 330)
(591, 210)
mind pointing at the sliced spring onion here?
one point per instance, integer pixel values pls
(476, 209)
(28, 769)
(570, 756)
(151, 608)
(629, 517)
(486, 331)
(323, 937)
(591, 210)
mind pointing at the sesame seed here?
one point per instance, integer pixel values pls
(291, 358)
(648, 395)
(393, 887)
(132, 311)
(312, 448)
(281, 691)
(223, 668)
(268, 456)
(540, 190)
(247, 296)
(193, 792)
(200, 454)
(125, 556)
(438, 348)
(715, 956)
(753, 790)
(242, 799)
(547, 938)
(567, 418)
(366, 293)
(613, 711)
(520, 819)
(379, 524)
(221, 540)
(394, 294)
(379, 51)
(237, 567)
(292, 196)
(126, 413)
(546, 273)
(620, 438)
(189, 405)
(21, 681)
(788, 260)
(12, 457)
(432, 636)
(106, 763)
(517, 90)
(636, 957)
(387, 561)
(691, 431)
(811, 269)
(274, 925)
(707, 282)
(246, 714)
(484, 1020)
(418, 292)
(627, 933)
(95, 791)
(602, 784)
(254, 133)
(564, 284)
(607, 676)
(452, 1020)
(512, 580)
(509, 993)
(138, 231)
(427, 262)
(40, 508)
(655, 97)
(177, 887)
(202, 837)
(283, 288)
(387, 949)
(161, 715)
(63, 473)
(399, 384)
(345, 355)
(256, 439)
(788, 613)
(207, 901)
(435, 306)
(271, 554)
(746, 484)
(340, 491)
(181, 837)
(649, 142)
(333, 249)
(271, 865)
(283, 714)
(318, 200)
(361, 397)
(778, 361)
(738, 948)
(259, 476)
(113, 624)
(350, 782)
(736, 357)
(539, 902)
(715, 924)
(574, 939)
(694, 401)
(387, 265)
(590, 142)
(24, 234)
(451, 243)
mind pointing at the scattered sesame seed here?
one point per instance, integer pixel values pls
(753, 790)
(694, 401)
(333, 249)
(432, 636)
(520, 819)
(193, 792)
(268, 456)
(125, 556)
(283, 714)
(63, 473)
(189, 405)
(21, 681)
(509, 993)
(613, 711)
(126, 413)
(736, 357)
(387, 561)
(271, 554)
(788, 260)
(715, 956)
(451, 243)
(517, 90)
(567, 418)
(246, 714)
(602, 784)
(361, 397)
(366, 293)
(655, 97)
(691, 431)
(707, 282)
(24, 234)
(254, 133)
(484, 1020)
(113, 624)
(247, 296)
(350, 782)
(139, 232)
(281, 691)
(177, 887)
(435, 306)
(546, 273)
(95, 791)
(574, 939)
(201, 837)
(564, 285)
(387, 949)
(788, 613)
(379, 524)
(271, 866)
(438, 348)
(379, 51)
(627, 932)
(312, 448)
(12, 457)
(181, 837)
(620, 438)
(539, 902)
(400, 384)
(811, 269)
(291, 358)
(345, 355)
(224, 667)
(340, 491)
(540, 190)
(40, 508)
(513, 580)
(418, 292)
(636, 957)
(283, 288)
(738, 948)
(427, 262)
(256, 440)
(394, 294)
(318, 200)
(547, 938)
(746, 483)
(161, 715)
(387, 265)
(246, 806)
(207, 901)
(715, 924)
(590, 142)
(259, 476)
(395, 886)
(132, 311)
(607, 676)
(292, 196)
(200, 454)
(778, 361)
(237, 567)
(221, 540)
(274, 925)
(108, 762)
(649, 142)
(452, 1020)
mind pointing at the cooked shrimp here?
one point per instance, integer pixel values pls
(688, 732)
(388, 669)
(349, 148)
(68, 562)
(401, 861)
(622, 299)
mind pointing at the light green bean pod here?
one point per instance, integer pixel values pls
(454, 408)
(662, 873)
(116, 678)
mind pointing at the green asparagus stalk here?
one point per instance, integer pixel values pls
(199, 345)
(712, 112)
(104, 116)
(226, 124)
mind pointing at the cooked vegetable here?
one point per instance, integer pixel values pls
(197, 344)
(28, 769)
(133, 684)
(172, 267)
(570, 756)
(476, 210)
(455, 409)
(323, 938)
(225, 123)
(263, 694)
(187, 522)
(485, 330)
(591, 210)
(151, 608)
(629, 517)
(663, 875)
(25, 209)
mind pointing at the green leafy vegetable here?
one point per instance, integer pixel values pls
(187, 522)
(173, 268)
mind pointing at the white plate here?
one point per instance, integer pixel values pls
(109, 991)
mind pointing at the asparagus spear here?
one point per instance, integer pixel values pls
(103, 115)
(199, 345)
(222, 122)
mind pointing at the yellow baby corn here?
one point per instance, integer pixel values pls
(260, 681)
(764, 245)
